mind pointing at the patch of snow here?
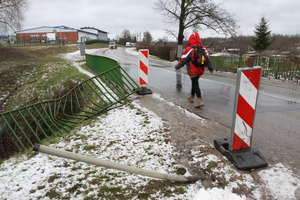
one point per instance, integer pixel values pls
(26, 175)
(224, 54)
(75, 56)
(224, 172)
(130, 135)
(132, 51)
(45, 76)
(280, 181)
(217, 194)
(186, 112)
(122, 136)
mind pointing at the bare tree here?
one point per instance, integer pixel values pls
(196, 14)
(11, 13)
(126, 36)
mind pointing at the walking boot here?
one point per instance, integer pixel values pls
(198, 103)
(191, 99)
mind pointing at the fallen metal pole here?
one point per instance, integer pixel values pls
(112, 165)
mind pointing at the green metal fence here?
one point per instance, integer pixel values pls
(279, 68)
(100, 64)
(226, 63)
(273, 67)
(21, 128)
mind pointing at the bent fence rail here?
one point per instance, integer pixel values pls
(21, 128)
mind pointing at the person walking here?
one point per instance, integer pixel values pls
(195, 57)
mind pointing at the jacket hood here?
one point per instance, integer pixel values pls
(194, 39)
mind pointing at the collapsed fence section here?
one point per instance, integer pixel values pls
(20, 129)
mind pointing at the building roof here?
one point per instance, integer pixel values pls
(59, 27)
(3, 36)
(93, 28)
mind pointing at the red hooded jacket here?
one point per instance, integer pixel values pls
(189, 53)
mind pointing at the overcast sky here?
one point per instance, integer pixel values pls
(138, 16)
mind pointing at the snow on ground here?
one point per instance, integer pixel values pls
(3, 95)
(135, 136)
(186, 112)
(227, 179)
(224, 54)
(132, 51)
(129, 135)
(216, 194)
(77, 60)
(280, 181)
(125, 135)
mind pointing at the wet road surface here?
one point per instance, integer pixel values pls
(277, 124)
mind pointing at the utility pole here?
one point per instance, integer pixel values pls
(82, 46)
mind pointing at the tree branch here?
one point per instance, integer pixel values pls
(3, 22)
(193, 13)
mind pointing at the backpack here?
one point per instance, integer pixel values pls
(200, 57)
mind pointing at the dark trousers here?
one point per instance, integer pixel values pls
(195, 87)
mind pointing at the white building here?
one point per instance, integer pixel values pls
(62, 33)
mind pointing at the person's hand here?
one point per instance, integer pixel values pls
(175, 68)
(210, 69)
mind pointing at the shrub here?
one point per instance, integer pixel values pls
(162, 50)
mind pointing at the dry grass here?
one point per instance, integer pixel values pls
(32, 53)
(28, 73)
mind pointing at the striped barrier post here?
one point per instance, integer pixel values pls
(245, 105)
(143, 72)
(239, 148)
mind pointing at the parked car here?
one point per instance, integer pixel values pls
(128, 44)
(112, 45)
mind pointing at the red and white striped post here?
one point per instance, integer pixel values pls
(143, 67)
(239, 149)
(143, 72)
(245, 106)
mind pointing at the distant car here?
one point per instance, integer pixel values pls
(128, 44)
(112, 45)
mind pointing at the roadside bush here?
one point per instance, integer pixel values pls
(162, 50)
(227, 64)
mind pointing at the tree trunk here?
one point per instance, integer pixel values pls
(180, 42)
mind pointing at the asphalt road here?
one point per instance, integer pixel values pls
(277, 125)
